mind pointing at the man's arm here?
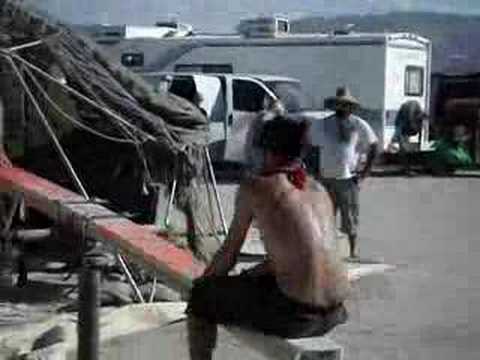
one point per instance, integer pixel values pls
(226, 257)
(368, 136)
(371, 155)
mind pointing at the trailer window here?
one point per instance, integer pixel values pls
(414, 76)
(132, 59)
(283, 26)
(248, 96)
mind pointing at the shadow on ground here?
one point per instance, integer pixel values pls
(35, 292)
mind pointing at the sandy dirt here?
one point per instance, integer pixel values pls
(428, 227)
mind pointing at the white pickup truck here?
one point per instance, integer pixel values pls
(232, 101)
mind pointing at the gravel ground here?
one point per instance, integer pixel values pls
(425, 309)
(427, 227)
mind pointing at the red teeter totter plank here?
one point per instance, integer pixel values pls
(178, 266)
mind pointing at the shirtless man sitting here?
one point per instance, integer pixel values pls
(299, 290)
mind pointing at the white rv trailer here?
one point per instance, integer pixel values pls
(383, 70)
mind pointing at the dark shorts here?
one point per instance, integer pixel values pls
(256, 302)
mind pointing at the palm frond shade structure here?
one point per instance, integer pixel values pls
(121, 135)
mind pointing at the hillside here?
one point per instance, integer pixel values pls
(454, 37)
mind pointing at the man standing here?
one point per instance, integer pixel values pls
(299, 290)
(343, 138)
(408, 122)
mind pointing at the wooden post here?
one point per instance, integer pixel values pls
(89, 304)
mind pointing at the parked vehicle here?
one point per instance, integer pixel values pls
(383, 70)
(232, 101)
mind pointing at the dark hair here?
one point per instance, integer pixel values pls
(285, 136)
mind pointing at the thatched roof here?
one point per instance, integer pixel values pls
(164, 133)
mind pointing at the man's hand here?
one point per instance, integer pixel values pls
(371, 155)
(362, 175)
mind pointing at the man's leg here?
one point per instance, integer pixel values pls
(348, 205)
(405, 155)
(331, 186)
(353, 209)
(220, 300)
(202, 338)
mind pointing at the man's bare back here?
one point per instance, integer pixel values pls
(299, 290)
(299, 235)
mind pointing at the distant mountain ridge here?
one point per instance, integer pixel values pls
(456, 48)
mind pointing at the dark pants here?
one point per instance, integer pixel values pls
(345, 197)
(256, 302)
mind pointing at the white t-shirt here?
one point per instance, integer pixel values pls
(339, 158)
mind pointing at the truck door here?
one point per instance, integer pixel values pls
(249, 98)
(213, 101)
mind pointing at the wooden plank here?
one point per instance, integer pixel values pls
(178, 266)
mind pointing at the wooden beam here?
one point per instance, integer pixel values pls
(178, 267)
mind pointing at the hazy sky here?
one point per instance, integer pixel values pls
(225, 14)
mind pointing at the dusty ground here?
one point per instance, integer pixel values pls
(425, 309)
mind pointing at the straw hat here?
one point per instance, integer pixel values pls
(343, 96)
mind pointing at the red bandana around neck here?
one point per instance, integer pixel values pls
(296, 174)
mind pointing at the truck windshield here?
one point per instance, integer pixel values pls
(291, 95)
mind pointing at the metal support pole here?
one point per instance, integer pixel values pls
(6, 242)
(26, 46)
(89, 300)
(166, 222)
(89, 303)
(215, 191)
(130, 278)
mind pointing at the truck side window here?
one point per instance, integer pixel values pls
(184, 87)
(247, 96)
